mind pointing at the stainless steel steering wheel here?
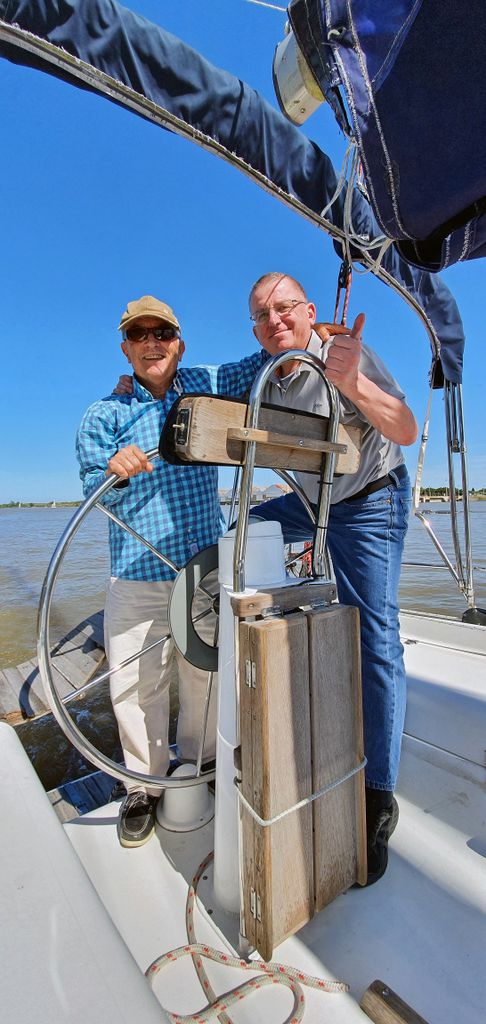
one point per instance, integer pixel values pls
(188, 580)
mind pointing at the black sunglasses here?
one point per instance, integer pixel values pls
(159, 333)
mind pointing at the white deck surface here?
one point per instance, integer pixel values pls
(446, 684)
(421, 929)
(61, 960)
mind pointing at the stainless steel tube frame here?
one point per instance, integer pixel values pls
(456, 445)
(323, 504)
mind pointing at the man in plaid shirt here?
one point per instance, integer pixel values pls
(177, 509)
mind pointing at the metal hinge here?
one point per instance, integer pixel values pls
(319, 606)
(250, 673)
(181, 427)
(255, 905)
(273, 611)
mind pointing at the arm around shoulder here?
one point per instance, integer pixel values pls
(236, 378)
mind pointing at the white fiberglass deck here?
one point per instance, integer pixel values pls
(421, 928)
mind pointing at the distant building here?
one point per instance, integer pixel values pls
(257, 493)
(224, 495)
(275, 491)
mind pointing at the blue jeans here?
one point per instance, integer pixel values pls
(365, 540)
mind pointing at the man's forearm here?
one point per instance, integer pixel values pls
(391, 416)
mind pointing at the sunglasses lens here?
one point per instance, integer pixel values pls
(159, 333)
(136, 333)
(164, 333)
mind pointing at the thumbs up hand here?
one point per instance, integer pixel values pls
(343, 358)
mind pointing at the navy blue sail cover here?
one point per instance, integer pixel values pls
(413, 73)
(160, 67)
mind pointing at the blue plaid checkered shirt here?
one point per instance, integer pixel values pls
(176, 508)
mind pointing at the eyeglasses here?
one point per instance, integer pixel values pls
(283, 309)
(159, 333)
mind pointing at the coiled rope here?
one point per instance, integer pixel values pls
(269, 974)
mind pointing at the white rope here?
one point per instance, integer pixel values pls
(341, 180)
(351, 236)
(381, 242)
(375, 266)
(272, 973)
(350, 182)
(265, 822)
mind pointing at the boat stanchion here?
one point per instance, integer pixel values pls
(264, 567)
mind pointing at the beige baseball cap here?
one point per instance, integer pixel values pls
(148, 306)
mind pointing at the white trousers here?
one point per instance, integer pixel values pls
(136, 616)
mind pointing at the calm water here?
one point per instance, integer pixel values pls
(28, 538)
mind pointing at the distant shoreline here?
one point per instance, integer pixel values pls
(41, 504)
(223, 501)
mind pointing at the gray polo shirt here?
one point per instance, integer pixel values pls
(306, 390)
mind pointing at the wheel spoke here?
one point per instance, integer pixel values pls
(111, 671)
(138, 536)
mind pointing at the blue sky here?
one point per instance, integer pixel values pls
(99, 207)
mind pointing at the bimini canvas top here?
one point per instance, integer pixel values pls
(146, 69)
(412, 73)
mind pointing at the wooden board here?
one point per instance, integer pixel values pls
(94, 627)
(9, 701)
(276, 774)
(383, 1006)
(286, 440)
(337, 747)
(286, 598)
(77, 666)
(75, 660)
(207, 436)
(26, 680)
(301, 730)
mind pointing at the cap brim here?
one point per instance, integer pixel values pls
(155, 316)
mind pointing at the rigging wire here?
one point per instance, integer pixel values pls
(263, 3)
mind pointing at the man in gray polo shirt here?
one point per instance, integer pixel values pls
(368, 517)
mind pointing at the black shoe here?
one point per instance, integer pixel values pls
(118, 792)
(136, 821)
(381, 821)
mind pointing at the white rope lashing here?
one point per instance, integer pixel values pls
(265, 822)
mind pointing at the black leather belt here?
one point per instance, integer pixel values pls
(375, 485)
(400, 472)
